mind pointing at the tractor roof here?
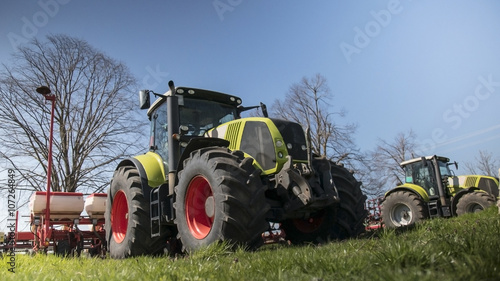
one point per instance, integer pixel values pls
(199, 94)
(411, 161)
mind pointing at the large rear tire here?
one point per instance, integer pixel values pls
(403, 208)
(128, 230)
(351, 213)
(341, 221)
(474, 202)
(220, 197)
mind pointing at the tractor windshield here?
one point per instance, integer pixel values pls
(445, 169)
(200, 116)
(196, 115)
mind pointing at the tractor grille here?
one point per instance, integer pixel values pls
(471, 181)
(232, 134)
(294, 137)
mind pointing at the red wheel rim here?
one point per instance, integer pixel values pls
(119, 216)
(311, 224)
(199, 207)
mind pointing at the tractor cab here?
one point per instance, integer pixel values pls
(421, 172)
(194, 113)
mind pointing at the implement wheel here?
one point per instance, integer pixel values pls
(219, 197)
(63, 248)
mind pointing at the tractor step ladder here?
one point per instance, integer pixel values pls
(433, 206)
(155, 212)
(161, 209)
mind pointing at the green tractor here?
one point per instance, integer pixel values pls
(432, 190)
(210, 176)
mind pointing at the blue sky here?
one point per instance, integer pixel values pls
(429, 66)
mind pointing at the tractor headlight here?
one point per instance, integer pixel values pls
(279, 143)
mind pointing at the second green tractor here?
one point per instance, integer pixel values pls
(432, 190)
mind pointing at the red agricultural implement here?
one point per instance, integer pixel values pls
(14, 239)
(63, 228)
(56, 217)
(374, 218)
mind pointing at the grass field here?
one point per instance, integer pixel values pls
(464, 248)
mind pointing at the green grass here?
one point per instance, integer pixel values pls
(463, 248)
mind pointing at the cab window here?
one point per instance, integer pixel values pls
(159, 133)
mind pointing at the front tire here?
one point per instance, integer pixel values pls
(128, 231)
(403, 208)
(473, 202)
(220, 197)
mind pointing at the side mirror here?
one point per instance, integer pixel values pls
(144, 101)
(456, 165)
(263, 107)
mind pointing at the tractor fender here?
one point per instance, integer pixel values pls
(150, 168)
(460, 194)
(418, 190)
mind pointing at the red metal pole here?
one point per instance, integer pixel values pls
(52, 98)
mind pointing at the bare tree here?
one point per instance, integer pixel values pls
(381, 169)
(307, 103)
(95, 122)
(485, 164)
